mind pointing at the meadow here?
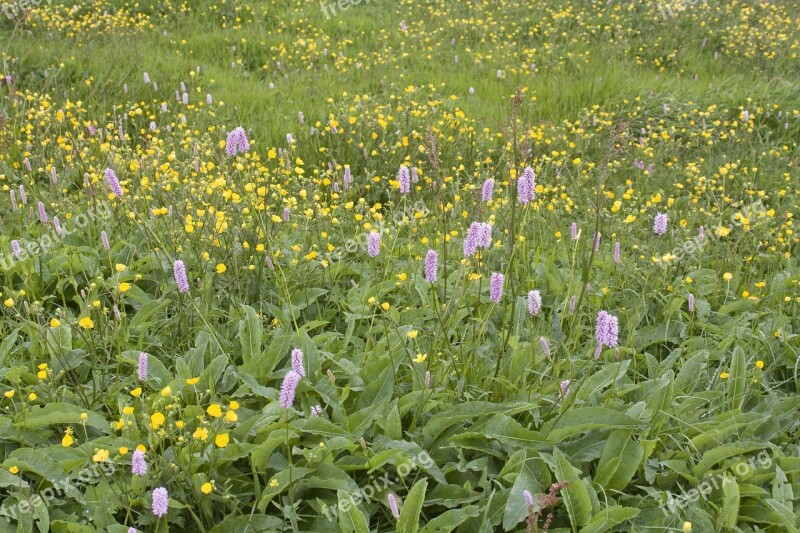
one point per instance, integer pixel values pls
(416, 266)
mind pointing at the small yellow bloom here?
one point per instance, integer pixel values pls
(54, 323)
(9, 394)
(13, 470)
(759, 364)
(136, 392)
(123, 450)
(67, 440)
(371, 300)
(157, 420)
(724, 375)
(124, 287)
(42, 366)
(95, 303)
(200, 433)
(412, 334)
(385, 306)
(127, 410)
(727, 276)
(42, 374)
(230, 416)
(9, 302)
(192, 381)
(84, 416)
(234, 405)
(221, 268)
(100, 456)
(86, 323)
(273, 482)
(119, 267)
(206, 488)
(222, 440)
(166, 391)
(32, 397)
(142, 448)
(687, 527)
(214, 410)
(420, 358)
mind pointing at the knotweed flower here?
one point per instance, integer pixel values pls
(374, 244)
(404, 178)
(316, 410)
(22, 196)
(565, 387)
(660, 224)
(534, 302)
(526, 186)
(27, 164)
(414, 175)
(42, 213)
(13, 195)
(288, 388)
(427, 380)
(146, 78)
(286, 214)
(496, 287)
(606, 331)
(16, 249)
(160, 501)
(209, 99)
(545, 346)
(487, 190)
(484, 231)
(237, 142)
(597, 242)
(572, 302)
(113, 182)
(141, 370)
(297, 362)
(691, 303)
(348, 177)
(701, 234)
(138, 464)
(57, 226)
(616, 252)
(393, 506)
(179, 269)
(132, 530)
(300, 117)
(431, 265)
(104, 239)
(574, 231)
(268, 261)
(526, 495)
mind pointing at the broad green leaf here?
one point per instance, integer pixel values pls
(351, 519)
(250, 334)
(621, 457)
(608, 518)
(576, 497)
(450, 520)
(602, 379)
(516, 509)
(412, 507)
(729, 514)
(737, 379)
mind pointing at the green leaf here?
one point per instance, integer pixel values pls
(516, 509)
(737, 379)
(62, 414)
(576, 497)
(602, 379)
(609, 518)
(250, 333)
(583, 419)
(351, 519)
(729, 514)
(412, 507)
(249, 523)
(619, 461)
(449, 520)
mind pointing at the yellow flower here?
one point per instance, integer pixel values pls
(214, 410)
(142, 448)
(100, 456)
(157, 420)
(371, 300)
(192, 381)
(67, 440)
(9, 302)
(127, 410)
(759, 364)
(221, 268)
(54, 323)
(687, 527)
(13, 470)
(412, 334)
(95, 303)
(42, 374)
(724, 375)
(727, 276)
(136, 392)
(273, 482)
(420, 358)
(206, 488)
(200, 433)
(222, 440)
(9, 394)
(230, 416)
(32, 397)
(119, 267)
(234, 405)
(124, 287)
(86, 323)
(166, 391)
(179, 424)
(385, 306)
(84, 416)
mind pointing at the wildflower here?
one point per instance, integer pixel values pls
(691, 303)
(22, 196)
(404, 179)
(526, 186)
(724, 375)
(606, 331)
(420, 358)
(86, 322)
(16, 249)
(427, 380)
(157, 420)
(574, 231)
(214, 410)
(316, 410)
(179, 269)
(759, 364)
(616, 253)
(222, 440)
(113, 182)
(471, 241)
(220, 268)
(100, 456)
(286, 214)
(142, 366)
(496, 287)
(206, 488)
(660, 224)
(42, 213)
(687, 526)
(288, 389)
(572, 302)
(484, 231)
(138, 463)
(727, 276)
(104, 238)
(597, 242)
(237, 142)
(701, 234)
(486, 191)
(373, 244)
(431, 264)
(200, 433)
(67, 440)
(297, 362)
(160, 501)
(565, 387)
(393, 506)
(545, 346)
(348, 177)
(526, 495)
(132, 530)
(534, 302)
